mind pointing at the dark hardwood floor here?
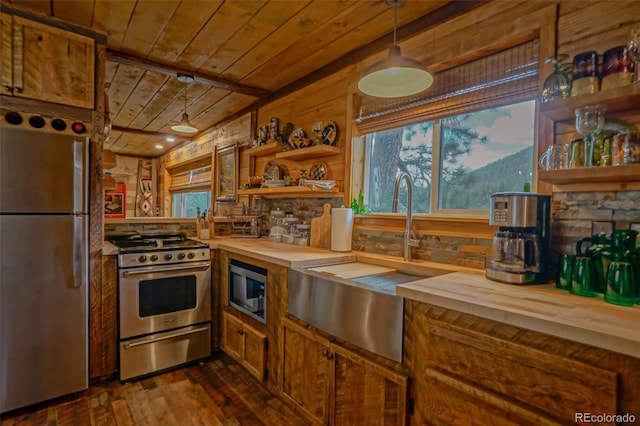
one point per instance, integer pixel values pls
(218, 392)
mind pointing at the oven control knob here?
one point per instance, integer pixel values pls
(191, 255)
(168, 256)
(142, 259)
(154, 257)
(181, 256)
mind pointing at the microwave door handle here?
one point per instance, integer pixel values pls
(170, 336)
(167, 269)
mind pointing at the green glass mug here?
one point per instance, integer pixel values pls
(565, 269)
(621, 284)
(583, 279)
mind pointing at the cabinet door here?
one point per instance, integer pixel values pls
(254, 351)
(6, 46)
(366, 393)
(52, 65)
(305, 371)
(232, 339)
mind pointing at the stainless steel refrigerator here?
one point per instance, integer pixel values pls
(43, 266)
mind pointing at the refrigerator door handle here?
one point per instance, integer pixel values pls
(79, 159)
(78, 251)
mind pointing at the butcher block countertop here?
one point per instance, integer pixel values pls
(288, 255)
(541, 308)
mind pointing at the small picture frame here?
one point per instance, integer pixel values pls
(602, 227)
(115, 202)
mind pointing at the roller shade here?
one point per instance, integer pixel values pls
(191, 179)
(504, 77)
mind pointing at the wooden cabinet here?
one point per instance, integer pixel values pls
(245, 344)
(332, 385)
(470, 370)
(45, 63)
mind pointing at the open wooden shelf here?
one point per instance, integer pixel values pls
(291, 191)
(308, 152)
(269, 148)
(625, 173)
(616, 99)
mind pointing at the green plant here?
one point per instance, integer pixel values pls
(358, 206)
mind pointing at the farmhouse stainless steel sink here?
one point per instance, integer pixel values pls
(347, 303)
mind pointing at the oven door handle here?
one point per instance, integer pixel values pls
(199, 267)
(170, 336)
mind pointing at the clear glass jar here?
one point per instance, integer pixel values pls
(276, 225)
(304, 230)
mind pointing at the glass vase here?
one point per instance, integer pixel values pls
(557, 85)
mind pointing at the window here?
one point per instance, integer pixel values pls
(480, 153)
(186, 204)
(472, 136)
(190, 188)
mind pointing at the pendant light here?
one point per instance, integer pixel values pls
(395, 76)
(185, 126)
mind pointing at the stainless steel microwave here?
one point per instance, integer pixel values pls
(248, 289)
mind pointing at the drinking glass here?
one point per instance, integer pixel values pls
(634, 50)
(621, 284)
(583, 282)
(589, 122)
(565, 269)
(556, 157)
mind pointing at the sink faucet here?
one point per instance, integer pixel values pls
(410, 239)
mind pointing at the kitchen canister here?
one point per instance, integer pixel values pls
(341, 228)
(616, 68)
(585, 74)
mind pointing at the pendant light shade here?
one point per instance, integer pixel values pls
(395, 76)
(185, 126)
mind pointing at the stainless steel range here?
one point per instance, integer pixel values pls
(164, 302)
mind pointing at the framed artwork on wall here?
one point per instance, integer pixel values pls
(226, 175)
(115, 202)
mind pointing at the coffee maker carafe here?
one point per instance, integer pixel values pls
(520, 247)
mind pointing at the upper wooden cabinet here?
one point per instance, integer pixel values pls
(46, 63)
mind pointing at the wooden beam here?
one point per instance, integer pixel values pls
(166, 69)
(145, 132)
(438, 16)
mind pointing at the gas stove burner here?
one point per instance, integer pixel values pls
(154, 242)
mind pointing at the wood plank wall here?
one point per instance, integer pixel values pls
(582, 25)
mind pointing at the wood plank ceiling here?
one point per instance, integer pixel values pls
(242, 53)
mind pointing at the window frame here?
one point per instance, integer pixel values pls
(434, 210)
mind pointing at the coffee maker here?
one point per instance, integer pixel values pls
(521, 245)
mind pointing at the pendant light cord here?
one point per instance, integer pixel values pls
(185, 97)
(395, 17)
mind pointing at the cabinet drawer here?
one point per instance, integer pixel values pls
(447, 400)
(533, 378)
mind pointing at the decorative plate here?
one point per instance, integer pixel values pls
(330, 133)
(271, 171)
(318, 171)
(296, 138)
